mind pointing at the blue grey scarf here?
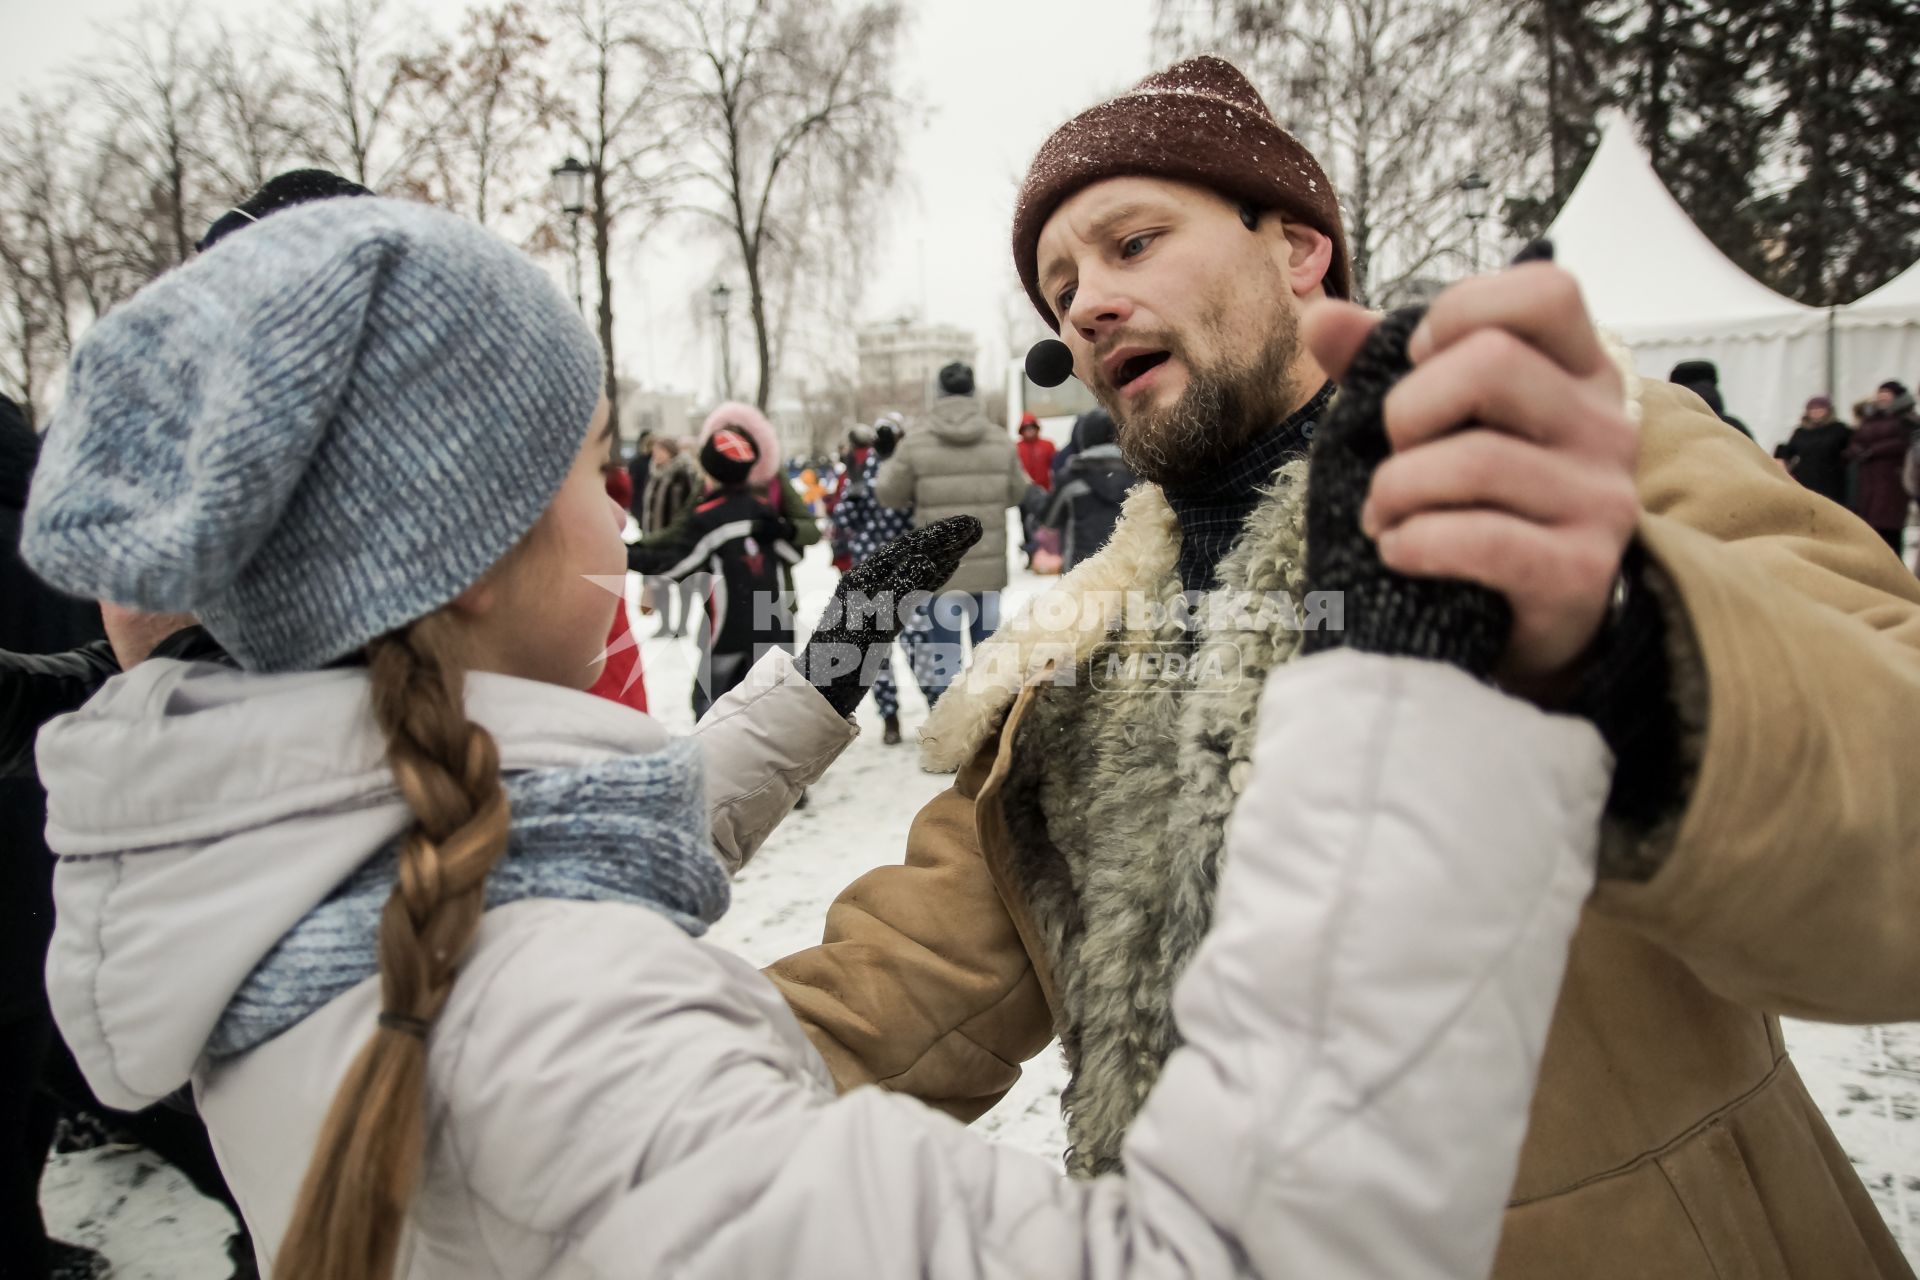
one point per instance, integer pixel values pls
(631, 830)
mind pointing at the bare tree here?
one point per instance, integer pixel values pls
(617, 119)
(1398, 99)
(255, 122)
(376, 103)
(154, 96)
(65, 252)
(789, 131)
(500, 110)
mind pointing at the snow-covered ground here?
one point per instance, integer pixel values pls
(153, 1226)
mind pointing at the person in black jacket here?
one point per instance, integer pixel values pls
(1086, 503)
(1815, 453)
(1702, 377)
(737, 542)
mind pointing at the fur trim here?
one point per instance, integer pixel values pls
(1060, 627)
(1629, 377)
(1122, 785)
(755, 424)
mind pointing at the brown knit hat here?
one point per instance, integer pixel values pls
(1198, 121)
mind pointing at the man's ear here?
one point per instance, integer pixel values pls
(1305, 255)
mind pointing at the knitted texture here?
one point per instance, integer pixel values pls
(315, 432)
(1384, 611)
(632, 830)
(844, 655)
(1199, 121)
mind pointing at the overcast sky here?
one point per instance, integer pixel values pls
(993, 78)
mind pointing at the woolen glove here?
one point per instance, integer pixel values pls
(775, 528)
(869, 607)
(1384, 612)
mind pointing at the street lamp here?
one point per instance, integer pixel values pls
(1475, 188)
(722, 297)
(570, 193)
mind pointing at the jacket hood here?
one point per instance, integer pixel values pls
(1104, 472)
(755, 424)
(957, 420)
(199, 813)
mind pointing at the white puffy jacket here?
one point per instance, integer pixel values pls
(610, 1097)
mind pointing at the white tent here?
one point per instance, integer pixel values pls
(1879, 338)
(1654, 279)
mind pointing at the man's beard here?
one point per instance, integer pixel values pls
(1223, 407)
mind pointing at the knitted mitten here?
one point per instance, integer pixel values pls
(1385, 611)
(866, 611)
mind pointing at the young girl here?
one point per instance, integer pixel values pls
(418, 921)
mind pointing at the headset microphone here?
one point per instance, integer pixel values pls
(1049, 362)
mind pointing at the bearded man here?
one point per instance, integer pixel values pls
(1750, 651)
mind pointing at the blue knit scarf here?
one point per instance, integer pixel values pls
(631, 830)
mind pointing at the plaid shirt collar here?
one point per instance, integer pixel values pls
(1212, 511)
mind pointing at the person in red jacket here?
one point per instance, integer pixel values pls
(1036, 454)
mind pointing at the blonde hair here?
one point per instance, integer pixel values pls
(352, 1206)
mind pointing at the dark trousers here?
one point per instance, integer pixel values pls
(665, 592)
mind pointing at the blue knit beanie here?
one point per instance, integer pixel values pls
(325, 427)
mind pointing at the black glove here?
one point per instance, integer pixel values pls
(1385, 612)
(775, 528)
(886, 437)
(867, 610)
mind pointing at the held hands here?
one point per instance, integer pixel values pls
(867, 610)
(1512, 457)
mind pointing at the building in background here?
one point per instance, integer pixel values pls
(898, 360)
(657, 412)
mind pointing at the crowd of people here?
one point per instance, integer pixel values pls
(1395, 811)
(1872, 466)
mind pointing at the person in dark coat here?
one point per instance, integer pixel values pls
(673, 482)
(1702, 378)
(738, 542)
(1086, 506)
(1815, 454)
(866, 527)
(37, 619)
(639, 467)
(1880, 449)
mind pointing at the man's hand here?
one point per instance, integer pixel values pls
(1513, 458)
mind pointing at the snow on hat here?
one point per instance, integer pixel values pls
(1198, 121)
(728, 455)
(314, 433)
